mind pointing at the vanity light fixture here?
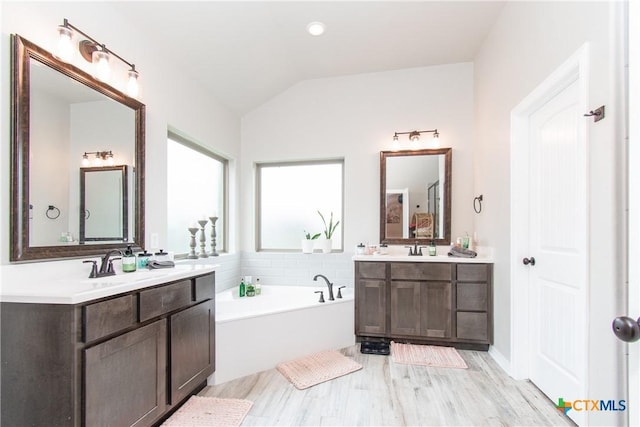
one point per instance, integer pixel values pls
(414, 136)
(102, 158)
(96, 53)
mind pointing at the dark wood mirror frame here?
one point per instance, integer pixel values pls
(384, 155)
(22, 51)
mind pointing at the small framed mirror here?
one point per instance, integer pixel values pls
(104, 200)
(415, 196)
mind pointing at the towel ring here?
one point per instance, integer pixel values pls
(56, 212)
(477, 204)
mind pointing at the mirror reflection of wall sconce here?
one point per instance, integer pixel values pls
(102, 158)
(414, 137)
(94, 52)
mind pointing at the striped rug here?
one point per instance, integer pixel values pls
(427, 355)
(201, 411)
(317, 368)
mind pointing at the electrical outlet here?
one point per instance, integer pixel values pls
(155, 241)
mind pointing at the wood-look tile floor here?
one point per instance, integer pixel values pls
(384, 393)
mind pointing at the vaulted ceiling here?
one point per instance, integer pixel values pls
(248, 52)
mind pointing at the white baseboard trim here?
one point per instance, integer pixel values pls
(502, 361)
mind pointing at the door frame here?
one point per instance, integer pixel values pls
(633, 188)
(574, 69)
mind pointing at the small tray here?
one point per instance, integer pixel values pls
(375, 347)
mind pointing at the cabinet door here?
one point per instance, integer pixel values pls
(371, 307)
(435, 310)
(192, 348)
(405, 308)
(125, 378)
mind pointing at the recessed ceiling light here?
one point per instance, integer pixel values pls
(315, 28)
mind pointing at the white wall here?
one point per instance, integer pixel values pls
(529, 41)
(171, 98)
(354, 117)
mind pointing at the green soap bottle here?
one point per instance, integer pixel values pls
(128, 261)
(242, 287)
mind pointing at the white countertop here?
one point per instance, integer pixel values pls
(424, 258)
(76, 288)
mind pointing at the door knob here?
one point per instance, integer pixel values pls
(626, 328)
(527, 261)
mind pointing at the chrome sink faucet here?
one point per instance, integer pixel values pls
(329, 285)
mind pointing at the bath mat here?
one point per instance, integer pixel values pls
(427, 355)
(317, 368)
(201, 411)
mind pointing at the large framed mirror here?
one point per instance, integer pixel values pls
(415, 196)
(59, 115)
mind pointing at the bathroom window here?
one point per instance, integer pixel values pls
(197, 188)
(289, 196)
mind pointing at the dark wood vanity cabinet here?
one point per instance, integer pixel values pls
(124, 360)
(445, 303)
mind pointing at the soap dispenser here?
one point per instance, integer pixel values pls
(432, 248)
(128, 261)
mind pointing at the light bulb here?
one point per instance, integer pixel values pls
(85, 160)
(65, 43)
(110, 161)
(97, 161)
(395, 144)
(133, 88)
(435, 143)
(315, 28)
(100, 59)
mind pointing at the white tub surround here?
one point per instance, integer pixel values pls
(27, 284)
(284, 322)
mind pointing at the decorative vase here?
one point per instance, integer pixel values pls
(325, 245)
(307, 246)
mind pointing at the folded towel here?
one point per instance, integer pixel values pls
(151, 265)
(456, 251)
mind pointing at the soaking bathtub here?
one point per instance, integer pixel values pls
(254, 334)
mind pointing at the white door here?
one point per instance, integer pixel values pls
(557, 259)
(634, 208)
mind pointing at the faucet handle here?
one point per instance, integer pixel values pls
(110, 269)
(339, 292)
(410, 249)
(321, 296)
(94, 268)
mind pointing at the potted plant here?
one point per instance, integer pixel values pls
(307, 242)
(329, 229)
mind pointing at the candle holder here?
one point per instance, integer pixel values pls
(192, 243)
(213, 220)
(203, 239)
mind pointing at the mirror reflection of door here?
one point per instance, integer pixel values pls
(103, 204)
(433, 205)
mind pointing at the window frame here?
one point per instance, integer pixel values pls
(222, 245)
(258, 166)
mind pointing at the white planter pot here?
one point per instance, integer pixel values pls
(307, 246)
(325, 245)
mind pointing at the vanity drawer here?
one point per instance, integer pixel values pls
(157, 301)
(372, 270)
(472, 272)
(471, 296)
(421, 271)
(107, 317)
(205, 287)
